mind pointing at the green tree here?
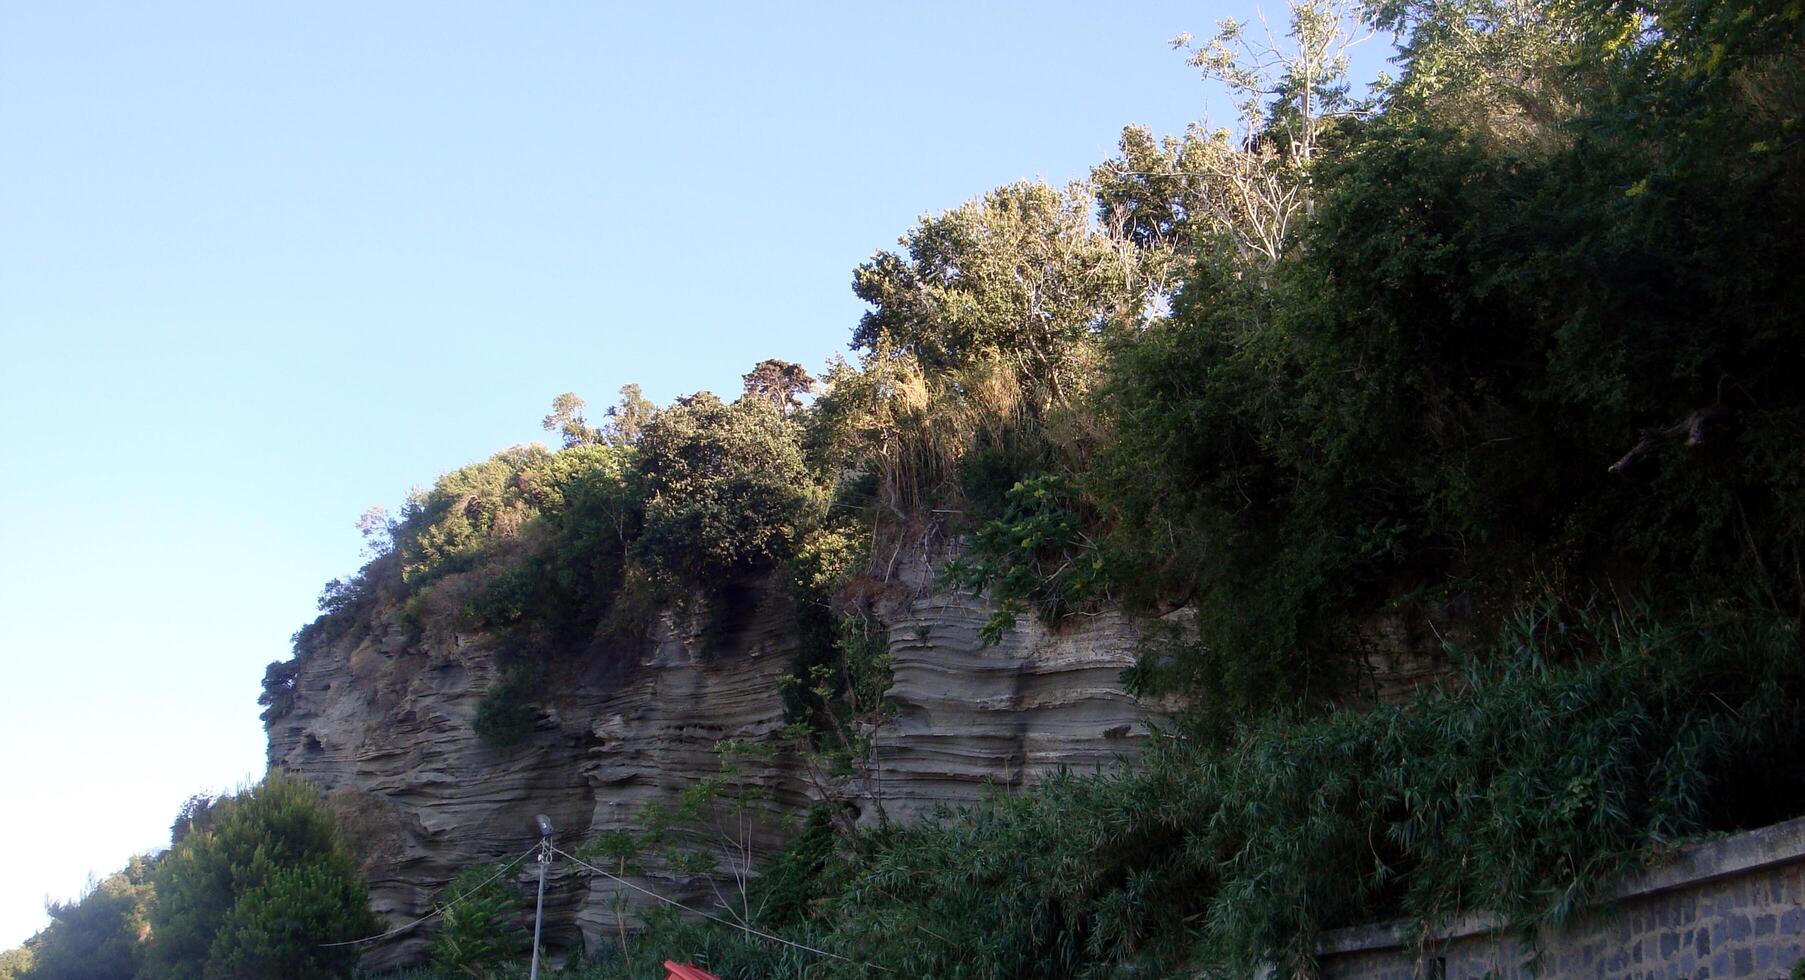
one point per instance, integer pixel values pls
(779, 382)
(99, 936)
(1249, 188)
(257, 889)
(195, 813)
(1021, 277)
(725, 490)
(378, 532)
(449, 527)
(1514, 70)
(278, 928)
(567, 419)
(1424, 398)
(627, 419)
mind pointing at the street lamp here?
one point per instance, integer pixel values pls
(545, 860)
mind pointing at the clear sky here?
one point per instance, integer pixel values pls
(263, 266)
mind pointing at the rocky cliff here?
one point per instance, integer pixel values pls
(382, 717)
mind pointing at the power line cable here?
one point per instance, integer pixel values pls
(715, 918)
(439, 909)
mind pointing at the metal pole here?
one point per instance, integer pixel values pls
(545, 860)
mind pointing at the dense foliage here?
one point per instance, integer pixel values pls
(255, 888)
(1518, 332)
(253, 885)
(99, 936)
(561, 555)
(1592, 740)
(479, 925)
(1510, 355)
(725, 490)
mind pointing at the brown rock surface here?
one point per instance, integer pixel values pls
(382, 720)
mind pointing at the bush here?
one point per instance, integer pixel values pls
(479, 926)
(446, 528)
(1481, 366)
(551, 599)
(1595, 740)
(1592, 741)
(1036, 554)
(506, 713)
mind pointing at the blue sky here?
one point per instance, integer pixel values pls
(263, 266)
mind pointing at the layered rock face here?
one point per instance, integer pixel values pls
(970, 717)
(382, 720)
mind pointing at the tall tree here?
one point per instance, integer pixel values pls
(567, 419)
(779, 382)
(628, 418)
(1250, 187)
(1020, 277)
(99, 936)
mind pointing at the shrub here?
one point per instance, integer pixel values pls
(1523, 793)
(479, 925)
(1036, 555)
(506, 713)
(1589, 742)
(276, 928)
(447, 527)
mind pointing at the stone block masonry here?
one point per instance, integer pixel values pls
(1733, 907)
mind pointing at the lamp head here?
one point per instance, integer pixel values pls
(545, 825)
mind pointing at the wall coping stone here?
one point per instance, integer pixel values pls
(1692, 864)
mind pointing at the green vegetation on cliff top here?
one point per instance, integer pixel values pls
(1513, 349)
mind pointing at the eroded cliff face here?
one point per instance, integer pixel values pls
(382, 720)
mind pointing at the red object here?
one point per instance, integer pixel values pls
(683, 971)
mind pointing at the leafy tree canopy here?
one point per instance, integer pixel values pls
(725, 490)
(257, 888)
(99, 936)
(1021, 276)
(780, 382)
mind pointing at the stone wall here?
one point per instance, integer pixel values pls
(1727, 908)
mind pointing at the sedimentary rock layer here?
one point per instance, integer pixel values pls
(382, 720)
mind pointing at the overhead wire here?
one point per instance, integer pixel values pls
(439, 909)
(715, 918)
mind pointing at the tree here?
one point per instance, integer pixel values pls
(779, 382)
(256, 889)
(195, 814)
(448, 527)
(567, 419)
(1020, 277)
(725, 487)
(378, 532)
(1250, 187)
(99, 936)
(276, 929)
(1514, 69)
(628, 419)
